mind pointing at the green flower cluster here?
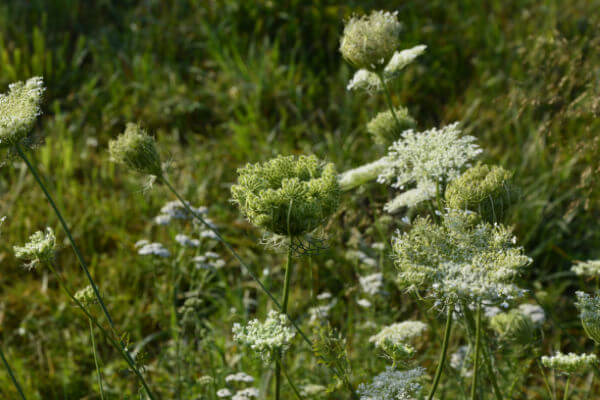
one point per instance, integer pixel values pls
(589, 312)
(136, 149)
(514, 326)
(385, 130)
(287, 195)
(39, 250)
(481, 188)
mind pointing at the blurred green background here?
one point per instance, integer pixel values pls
(222, 83)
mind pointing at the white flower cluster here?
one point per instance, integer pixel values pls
(427, 159)
(239, 377)
(361, 175)
(371, 284)
(174, 210)
(146, 248)
(246, 394)
(209, 260)
(39, 249)
(589, 268)
(570, 363)
(19, 109)
(392, 384)
(535, 313)
(462, 258)
(411, 198)
(398, 333)
(589, 312)
(266, 338)
(360, 257)
(186, 241)
(321, 313)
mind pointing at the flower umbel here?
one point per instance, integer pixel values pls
(287, 195)
(19, 108)
(392, 384)
(136, 149)
(570, 363)
(590, 268)
(39, 250)
(385, 130)
(589, 312)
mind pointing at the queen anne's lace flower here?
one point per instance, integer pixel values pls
(401, 59)
(239, 377)
(221, 393)
(19, 109)
(136, 149)
(392, 384)
(186, 241)
(589, 268)
(570, 363)
(266, 338)
(358, 176)
(462, 258)
(385, 130)
(412, 197)
(589, 312)
(534, 312)
(399, 332)
(156, 249)
(246, 394)
(371, 284)
(39, 250)
(86, 296)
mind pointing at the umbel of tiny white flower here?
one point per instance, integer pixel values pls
(136, 149)
(393, 340)
(570, 363)
(86, 296)
(393, 384)
(589, 268)
(39, 250)
(287, 195)
(460, 259)
(19, 108)
(384, 129)
(481, 188)
(267, 338)
(589, 312)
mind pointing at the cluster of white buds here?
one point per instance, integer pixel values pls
(137, 150)
(39, 250)
(589, 268)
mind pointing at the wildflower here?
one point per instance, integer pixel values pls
(186, 241)
(311, 390)
(412, 197)
(39, 250)
(570, 363)
(207, 234)
(287, 195)
(428, 158)
(459, 357)
(246, 394)
(205, 380)
(401, 59)
(162, 220)
(321, 312)
(156, 249)
(534, 312)
(589, 268)
(266, 338)
(86, 296)
(371, 284)
(359, 176)
(513, 326)
(392, 384)
(324, 296)
(239, 377)
(589, 312)
(19, 108)
(365, 80)
(462, 258)
(141, 243)
(378, 246)
(370, 41)
(483, 189)
(176, 210)
(364, 303)
(223, 393)
(136, 149)
(385, 130)
(399, 332)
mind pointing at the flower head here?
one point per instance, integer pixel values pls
(370, 41)
(462, 258)
(589, 268)
(385, 130)
(86, 296)
(392, 384)
(399, 332)
(266, 338)
(40, 249)
(570, 363)
(19, 108)
(401, 59)
(287, 195)
(589, 312)
(514, 326)
(156, 249)
(136, 149)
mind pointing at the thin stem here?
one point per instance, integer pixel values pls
(477, 344)
(442, 360)
(12, 376)
(284, 303)
(106, 333)
(98, 375)
(545, 380)
(566, 395)
(289, 381)
(388, 98)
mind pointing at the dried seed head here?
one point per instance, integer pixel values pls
(483, 189)
(370, 41)
(19, 109)
(385, 130)
(287, 195)
(39, 250)
(136, 149)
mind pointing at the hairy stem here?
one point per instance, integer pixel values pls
(442, 360)
(476, 362)
(12, 376)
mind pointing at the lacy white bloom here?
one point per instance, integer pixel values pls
(589, 268)
(266, 338)
(19, 109)
(589, 312)
(365, 80)
(364, 303)
(175, 210)
(239, 377)
(361, 175)
(412, 197)
(398, 333)
(40, 249)
(570, 363)
(324, 296)
(534, 312)
(462, 258)
(436, 155)
(392, 384)
(371, 284)
(246, 394)
(223, 393)
(186, 241)
(156, 249)
(321, 313)
(313, 390)
(401, 59)
(208, 234)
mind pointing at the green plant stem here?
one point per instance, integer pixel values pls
(388, 98)
(476, 362)
(284, 304)
(98, 375)
(566, 394)
(289, 381)
(12, 376)
(442, 360)
(107, 335)
(249, 271)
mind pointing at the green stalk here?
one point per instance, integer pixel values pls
(388, 97)
(477, 344)
(284, 304)
(78, 254)
(12, 376)
(442, 360)
(106, 334)
(289, 381)
(98, 375)
(566, 395)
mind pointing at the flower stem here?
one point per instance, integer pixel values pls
(12, 376)
(289, 381)
(388, 98)
(284, 303)
(566, 395)
(476, 362)
(442, 360)
(98, 375)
